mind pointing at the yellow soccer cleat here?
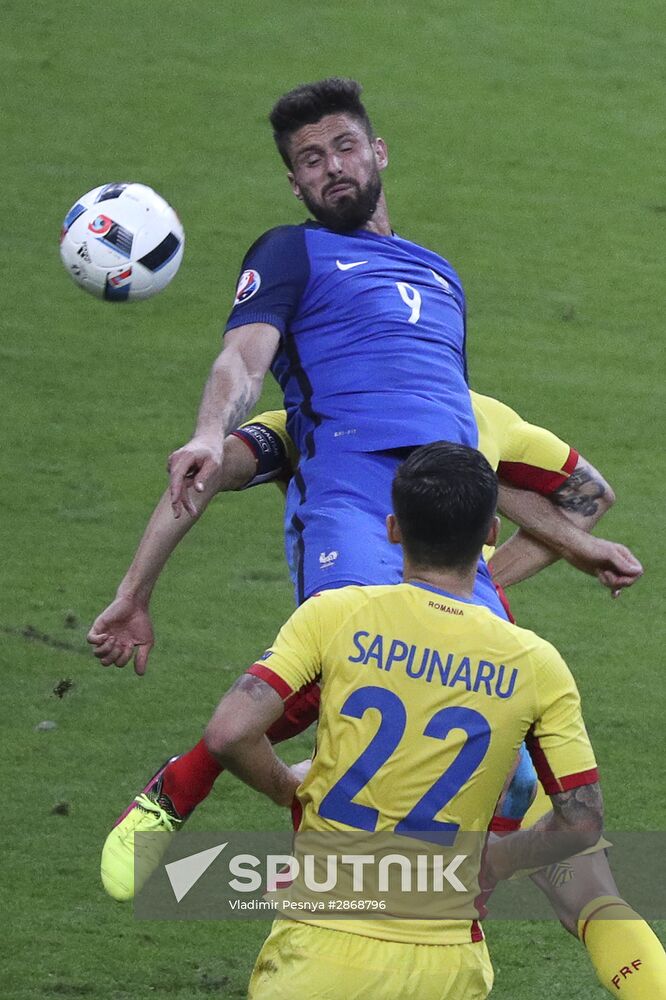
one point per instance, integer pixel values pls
(124, 870)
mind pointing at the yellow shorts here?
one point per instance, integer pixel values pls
(300, 959)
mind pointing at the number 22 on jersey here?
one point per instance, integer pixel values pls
(338, 804)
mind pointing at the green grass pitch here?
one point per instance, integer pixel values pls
(527, 147)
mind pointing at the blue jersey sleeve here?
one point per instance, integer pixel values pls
(274, 274)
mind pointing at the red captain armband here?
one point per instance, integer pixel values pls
(530, 477)
(270, 677)
(269, 451)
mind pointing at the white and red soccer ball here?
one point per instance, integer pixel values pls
(122, 242)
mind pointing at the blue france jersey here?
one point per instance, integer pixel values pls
(372, 328)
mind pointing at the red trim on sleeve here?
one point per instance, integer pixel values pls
(546, 776)
(551, 784)
(571, 462)
(530, 477)
(570, 781)
(268, 675)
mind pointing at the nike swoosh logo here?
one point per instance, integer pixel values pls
(348, 267)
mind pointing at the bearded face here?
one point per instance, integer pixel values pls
(336, 171)
(345, 204)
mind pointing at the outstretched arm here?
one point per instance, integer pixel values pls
(558, 526)
(232, 389)
(124, 629)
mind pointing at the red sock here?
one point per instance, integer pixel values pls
(188, 780)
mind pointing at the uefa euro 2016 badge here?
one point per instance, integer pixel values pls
(100, 225)
(248, 286)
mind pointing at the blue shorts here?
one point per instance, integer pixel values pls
(335, 526)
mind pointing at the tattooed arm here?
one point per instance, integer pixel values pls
(575, 824)
(557, 527)
(585, 495)
(232, 388)
(236, 737)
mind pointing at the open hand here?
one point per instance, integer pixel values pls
(122, 631)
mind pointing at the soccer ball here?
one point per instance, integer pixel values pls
(122, 241)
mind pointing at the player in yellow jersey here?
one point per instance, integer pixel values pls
(540, 491)
(426, 698)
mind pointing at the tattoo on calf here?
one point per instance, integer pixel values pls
(560, 873)
(580, 493)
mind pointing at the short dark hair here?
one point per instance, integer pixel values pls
(310, 102)
(444, 499)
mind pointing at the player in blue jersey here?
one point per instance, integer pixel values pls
(363, 330)
(365, 333)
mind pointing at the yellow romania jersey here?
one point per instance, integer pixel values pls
(425, 700)
(522, 454)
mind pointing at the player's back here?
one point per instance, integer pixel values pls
(426, 699)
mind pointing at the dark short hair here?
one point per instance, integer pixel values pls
(310, 102)
(444, 499)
